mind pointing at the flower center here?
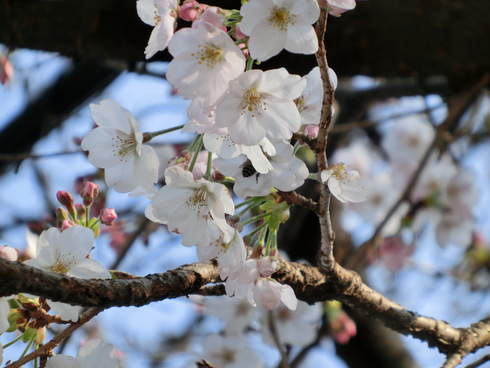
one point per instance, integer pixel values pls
(338, 170)
(228, 356)
(253, 101)
(281, 18)
(300, 103)
(209, 54)
(199, 202)
(60, 268)
(124, 147)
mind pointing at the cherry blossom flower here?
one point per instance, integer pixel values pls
(454, 228)
(268, 293)
(225, 148)
(337, 7)
(194, 208)
(205, 60)
(212, 15)
(229, 352)
(4, 314)
(6, 70)
(235, 313)
(116, 145)
(310, 102)
(276, 24)
(248, 281)
(65, 253)
(9, 253)
(94, 353)
(162, 15)
(261, 104)
(343, 184)
(406, 141)
(287, 172)
(295, 327)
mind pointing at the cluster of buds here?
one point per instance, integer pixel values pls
(79, 214)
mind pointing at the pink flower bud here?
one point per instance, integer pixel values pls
(66, 199)
(239, 35)
(107, 216)
(6, 70)
(89, 192)
(80, 208)
(189, 11)
(311, 130)
(212, 15)
(8, 253)
(266, 266)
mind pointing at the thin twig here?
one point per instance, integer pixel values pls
(479, 362)
(47, 348)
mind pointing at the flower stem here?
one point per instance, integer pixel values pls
(31, 341)
(207, 176)
(197, 149)
(12, 342)
(255, 218)
(149, 136)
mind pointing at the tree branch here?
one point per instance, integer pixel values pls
(309, 284)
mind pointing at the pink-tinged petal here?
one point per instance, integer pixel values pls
(183, 41)
(334, 187)
(178, 177)
(48, 247)
(96, 353)
(288, 297)
(282, 120)
(248, 129)
(280, 86)
(159, 39)
(98, 142)
(4, 313)
(325, 175)
(302, 39)
(259, 161)
(252, 13)
(67, 312)
(76, 243)
(63, 361)
(222, 145)
(263, 48)
(108, 114)
(89, 269)
(308, 10)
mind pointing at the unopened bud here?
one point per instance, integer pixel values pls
(61, 215)
(41, 335)
(89, 192)
(189, 11)
(8, 253)
(66, 199)
(107, 216)
(80, 208)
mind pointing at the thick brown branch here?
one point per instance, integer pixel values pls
(19, 278)
(308, 282)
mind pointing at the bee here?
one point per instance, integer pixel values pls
(248, 170)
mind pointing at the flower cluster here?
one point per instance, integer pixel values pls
(244, 118)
